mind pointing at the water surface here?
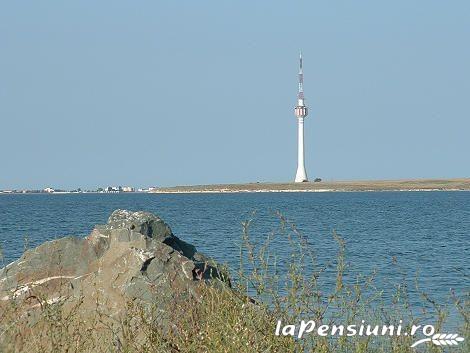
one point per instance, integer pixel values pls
(425, 232)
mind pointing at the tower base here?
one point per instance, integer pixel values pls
(301, 181)
(301, 176)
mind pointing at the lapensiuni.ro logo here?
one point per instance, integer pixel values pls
(429, 332)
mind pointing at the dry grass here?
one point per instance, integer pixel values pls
(352, 185)
(242, 319)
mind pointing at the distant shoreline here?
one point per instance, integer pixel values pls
(404, 185)
(461, 184)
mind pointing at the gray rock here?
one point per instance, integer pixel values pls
(135, 256)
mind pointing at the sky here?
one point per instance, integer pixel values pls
(160, 93)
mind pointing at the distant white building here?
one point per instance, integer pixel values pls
(49, 190)
(115, 189)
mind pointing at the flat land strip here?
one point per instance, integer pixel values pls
(325, 186)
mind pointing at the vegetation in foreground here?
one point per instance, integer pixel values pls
(241, 319)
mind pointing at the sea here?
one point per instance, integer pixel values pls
(422, 238)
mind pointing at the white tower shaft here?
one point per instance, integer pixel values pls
(301, 174)
(301, 111)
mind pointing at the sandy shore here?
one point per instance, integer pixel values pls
(327, 186)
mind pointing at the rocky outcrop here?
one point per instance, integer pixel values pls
(135, 256)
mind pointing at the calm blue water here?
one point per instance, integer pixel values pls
(427, 232)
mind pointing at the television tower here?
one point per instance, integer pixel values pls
(301, 112)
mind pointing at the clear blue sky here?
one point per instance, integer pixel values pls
(187, 92)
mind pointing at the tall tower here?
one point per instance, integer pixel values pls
(301, 112)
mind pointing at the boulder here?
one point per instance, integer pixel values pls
(134, 257)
